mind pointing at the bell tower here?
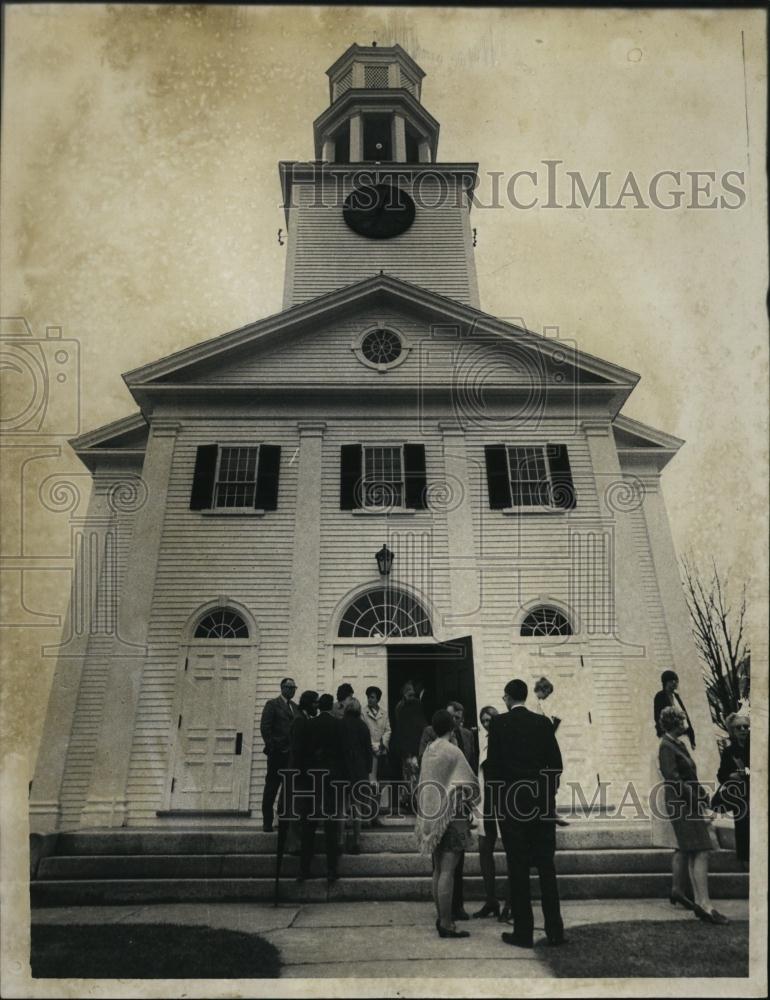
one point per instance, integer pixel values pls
(375, 114)
(376, 197)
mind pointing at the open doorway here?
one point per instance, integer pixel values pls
(445, 671)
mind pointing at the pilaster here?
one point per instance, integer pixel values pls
(302, 652)
(106, 802)
(465, 617)
(89, 543)
(686, 660)
(627, 644)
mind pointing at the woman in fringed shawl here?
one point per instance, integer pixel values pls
(447, 792)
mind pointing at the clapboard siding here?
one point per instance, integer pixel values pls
(93, 679)
(521, 559)
(438, 355)
(249, 560)
(529, 556)
(328, 255)
(563, 558)
(659, 635)
(349, 541)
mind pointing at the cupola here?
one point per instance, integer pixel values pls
(375, 114)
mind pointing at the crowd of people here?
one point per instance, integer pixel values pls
(327, 758)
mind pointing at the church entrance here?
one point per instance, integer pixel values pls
(403, 650)
(573, 704)
(444, 671)
(211, 747)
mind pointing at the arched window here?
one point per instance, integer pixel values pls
(385, 614)
(222, 623)
(546, 621)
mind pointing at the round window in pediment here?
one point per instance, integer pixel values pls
(381, 347)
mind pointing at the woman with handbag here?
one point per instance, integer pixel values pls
(683, 807)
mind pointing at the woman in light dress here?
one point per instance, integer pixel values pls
(446, 794)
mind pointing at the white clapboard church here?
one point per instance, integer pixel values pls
(379, 482)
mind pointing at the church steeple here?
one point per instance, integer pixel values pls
(375, 114)
(375, 198)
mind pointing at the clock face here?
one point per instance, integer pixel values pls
(379, 212)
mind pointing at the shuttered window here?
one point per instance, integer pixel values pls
(529, 476)
(236, 477)
(382, 477)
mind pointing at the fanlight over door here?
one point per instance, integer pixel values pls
(385, 613)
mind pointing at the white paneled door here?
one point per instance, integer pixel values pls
(363, 667)
(571, 702)
(214, 731)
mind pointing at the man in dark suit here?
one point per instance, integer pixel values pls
(323, 761)
(523, 768)
(667, 697)
(275, 726)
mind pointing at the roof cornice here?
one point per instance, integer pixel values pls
(287, 400)
(378, 53)
(650, 435)
(100, 436)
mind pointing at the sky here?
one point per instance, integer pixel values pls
(141, 203)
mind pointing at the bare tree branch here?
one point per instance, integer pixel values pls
(718, 631)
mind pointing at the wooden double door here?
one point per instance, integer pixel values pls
(212, 749)
(572, 702)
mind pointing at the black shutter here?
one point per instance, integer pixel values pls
(498, 483)
(266, 493)
(350, 476)
(415, 488)
(202, 495)
(561, 477)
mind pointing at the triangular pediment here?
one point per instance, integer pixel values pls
(632, 434)
(641, 446)
(121, 441)
(314, 343)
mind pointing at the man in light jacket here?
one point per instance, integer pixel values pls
(275, 726)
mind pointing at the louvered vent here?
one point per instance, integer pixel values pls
(376, 76)
(344, 83)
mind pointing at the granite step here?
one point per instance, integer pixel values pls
(124, 891)
(384, 864)
(393, 838)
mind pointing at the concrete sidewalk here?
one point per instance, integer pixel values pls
(385, 939)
